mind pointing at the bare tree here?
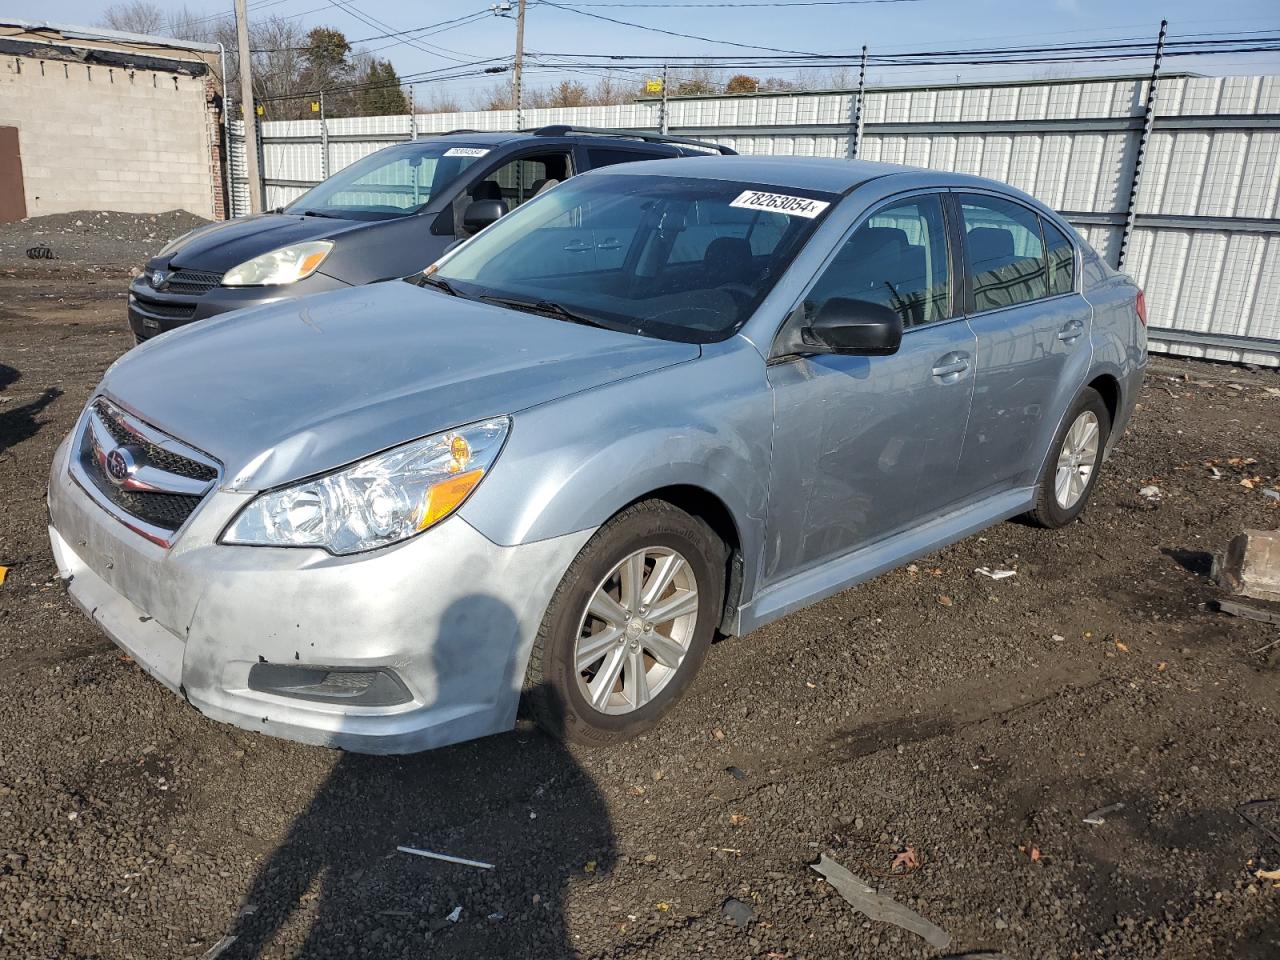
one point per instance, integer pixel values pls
(135, 16)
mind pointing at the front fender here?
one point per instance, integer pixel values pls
(569, 465)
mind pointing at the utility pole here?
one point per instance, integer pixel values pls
(249, 111)
(519, 66)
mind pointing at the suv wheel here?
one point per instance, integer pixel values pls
(629, 625)
(1072, 468)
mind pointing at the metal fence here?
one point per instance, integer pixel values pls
(1205, 201)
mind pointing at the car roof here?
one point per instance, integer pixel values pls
(825, 174)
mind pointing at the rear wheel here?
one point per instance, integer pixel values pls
(1069, 474)
(629, 625)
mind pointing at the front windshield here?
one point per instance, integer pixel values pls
(394, 182)
(680, 258)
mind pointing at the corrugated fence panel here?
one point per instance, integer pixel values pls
(1206, 244)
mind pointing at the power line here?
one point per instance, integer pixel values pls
(670, 33)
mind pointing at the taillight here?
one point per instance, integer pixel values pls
(1141, 306)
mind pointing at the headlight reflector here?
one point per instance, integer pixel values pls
(286, 265)
(386, 498)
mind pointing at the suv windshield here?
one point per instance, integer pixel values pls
(394, 182)
(671, 257)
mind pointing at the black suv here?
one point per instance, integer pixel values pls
(388, 215)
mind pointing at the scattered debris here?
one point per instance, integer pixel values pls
(219, 948)
(1151, 493)
(996, 574)
(907, 859)
(1031, 850)
(1246, 811)
(1242, 610)
(39, 253)
(877, 906)
(1271, 493)
(4, 572)
(1251, 565)
(737, 819)
(1057, 638)
(736, 772)
(737, 911)
(495, 916)
(945, 600)
(1267, 874)
(1099, 816)
(662, 906)
(1265, 646)
(980, 955)
(446, 858)
(590, 866)
(455, 914)
(717, 733)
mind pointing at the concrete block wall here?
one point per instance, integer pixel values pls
(110, 138)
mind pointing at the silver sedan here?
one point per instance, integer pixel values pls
(661, 401)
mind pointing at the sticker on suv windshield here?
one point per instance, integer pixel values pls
(780, 203)
(465, 152)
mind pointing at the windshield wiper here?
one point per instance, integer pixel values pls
(547, 308)
(317, 213)
(430, 280)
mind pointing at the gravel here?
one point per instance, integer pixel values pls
(92, 237)
(978, 734)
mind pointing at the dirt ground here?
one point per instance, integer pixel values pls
(972, 723)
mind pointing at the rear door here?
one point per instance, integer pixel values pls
(1032, 329)
(865, 447)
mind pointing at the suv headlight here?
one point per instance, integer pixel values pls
(384, 499)
(286, 265)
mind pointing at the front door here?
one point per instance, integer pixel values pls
(864, 447)
(1033, 338)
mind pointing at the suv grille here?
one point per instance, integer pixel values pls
(147, 479)
(194, 283)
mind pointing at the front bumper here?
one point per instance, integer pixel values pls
(450, 613)
(152, 312)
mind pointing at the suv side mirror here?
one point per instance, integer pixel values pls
(482, 213)
(854, 326)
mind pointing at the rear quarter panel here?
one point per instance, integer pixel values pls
(1119, 340)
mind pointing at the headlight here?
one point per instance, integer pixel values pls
(387, 498)
(286, 265)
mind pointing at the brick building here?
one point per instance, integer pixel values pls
(94, 119)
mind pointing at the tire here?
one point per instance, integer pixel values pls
(557, 694)
(1050, 510)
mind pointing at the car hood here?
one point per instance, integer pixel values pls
(284, 391)
(220, 246)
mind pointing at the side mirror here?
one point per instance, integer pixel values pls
(855, 326)
(482, 213)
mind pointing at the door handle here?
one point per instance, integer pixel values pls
(1071, 332)
(609, 244)
(577, 246)
(950, 368)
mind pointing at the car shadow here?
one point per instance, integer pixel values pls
(19, 423)
(518, 801)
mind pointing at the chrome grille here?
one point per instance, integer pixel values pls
(191, 282)
(146, 479)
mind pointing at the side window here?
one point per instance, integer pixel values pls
(1004, 252)
(1062, 259)
(521, 179)
(608, 156)
(897, 258)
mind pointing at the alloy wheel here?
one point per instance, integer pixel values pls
(1077, 460)
(636, 630)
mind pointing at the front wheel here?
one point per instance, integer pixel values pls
(629, 625)
(1072, 468)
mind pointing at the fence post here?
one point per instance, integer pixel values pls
(663, 121)
(1148, 120)
(855, 134)
(262, 160)
(324, 142)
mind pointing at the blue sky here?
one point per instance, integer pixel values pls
(899, 25)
